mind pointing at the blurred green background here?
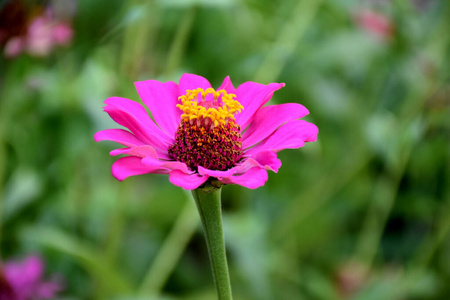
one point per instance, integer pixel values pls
(363, 213)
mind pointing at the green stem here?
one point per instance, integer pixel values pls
(209, 207)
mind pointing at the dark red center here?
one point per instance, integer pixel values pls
(212, 147)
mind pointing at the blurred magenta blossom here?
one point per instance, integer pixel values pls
(25, 281)
(202, 133)
(376, 23)
(41, 38)
(351, 277)
(33, 30)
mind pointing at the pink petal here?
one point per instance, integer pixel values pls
(269, 118)
(188, 182)
(119, 151)
(119, 136)
(143, 160)
(143, 151)
(131, 165)
(227, 85)
(252, 96)
(133, 116)
(191, 82)
(253, 179)
(165, 165)
(216, 173)
(161, 99)
(140, 151)
(265, 159)
(292, 135)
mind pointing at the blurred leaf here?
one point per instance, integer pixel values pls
(389, 138)
(318, 286)
(246, 235)
(393, 284)
(23, 187)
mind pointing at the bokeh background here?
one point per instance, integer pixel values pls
(363, 213)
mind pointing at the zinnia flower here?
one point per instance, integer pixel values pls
(200, 133)
(24, 281)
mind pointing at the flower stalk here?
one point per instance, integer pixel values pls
(208, 202)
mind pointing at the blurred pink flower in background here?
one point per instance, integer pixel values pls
(14, 47)
(42, 37)
(351, 277)
(24, 281)
(376, 23)
(44, 34)
(37, 35)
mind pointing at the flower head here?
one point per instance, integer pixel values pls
(208, 135)
(199, 132)
(24, 281)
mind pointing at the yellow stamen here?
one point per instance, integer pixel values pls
(192, 108)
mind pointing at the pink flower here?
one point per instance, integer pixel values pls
(40, 37)
(44, 34)
(200, 133)
(62, 34)
(14, 46)
(24, 281)
(376, 23)
(351, 277)
(37, 37)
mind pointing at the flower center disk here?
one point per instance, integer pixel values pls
(208, 135)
